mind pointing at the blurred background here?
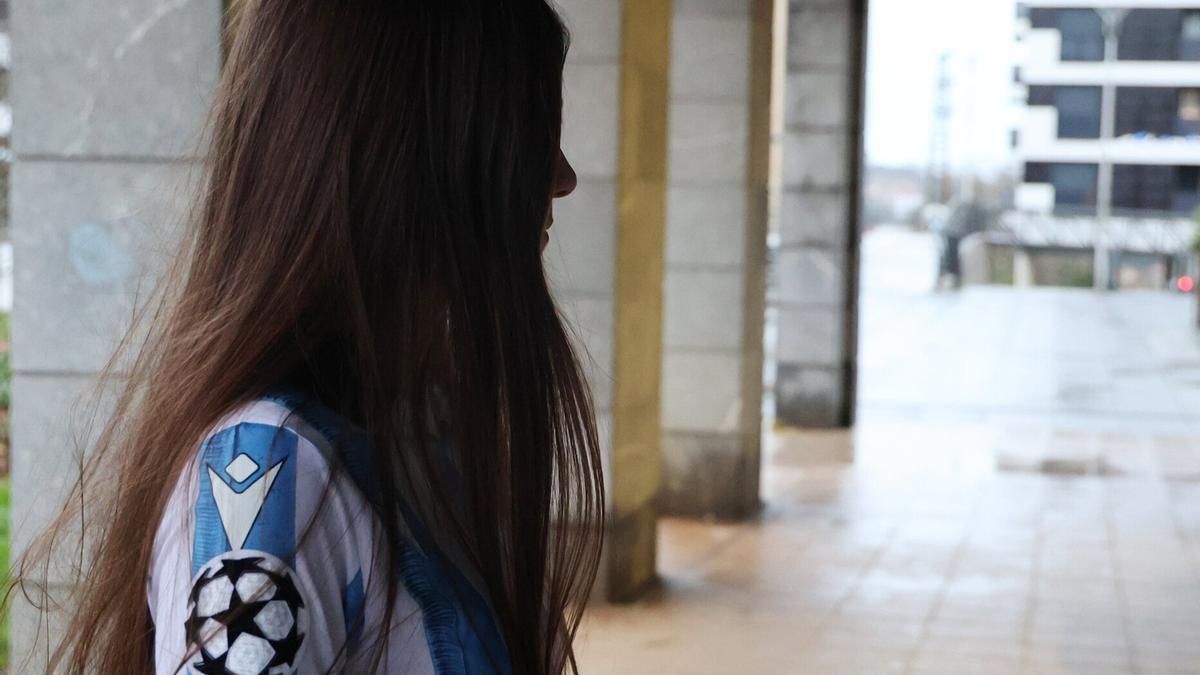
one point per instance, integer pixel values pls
(889, 309)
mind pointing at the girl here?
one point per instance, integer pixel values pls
(353, 436)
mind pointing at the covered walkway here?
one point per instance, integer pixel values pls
(1025, 499)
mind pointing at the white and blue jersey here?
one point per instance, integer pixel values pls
(268, 560)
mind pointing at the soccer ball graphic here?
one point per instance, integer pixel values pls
(246, 616)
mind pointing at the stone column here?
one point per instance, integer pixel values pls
(107, 99)
(606, 255)
(716, 248)
(1023, 271)
(817, 264)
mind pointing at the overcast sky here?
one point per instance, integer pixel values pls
(905, 39)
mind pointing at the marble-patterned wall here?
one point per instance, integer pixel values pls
(107, 98)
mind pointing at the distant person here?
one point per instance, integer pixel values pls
(964, 219)
(356, 438)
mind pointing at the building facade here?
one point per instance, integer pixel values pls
(1155, 144)
(1108, 141)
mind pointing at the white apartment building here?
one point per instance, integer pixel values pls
(1152, 72)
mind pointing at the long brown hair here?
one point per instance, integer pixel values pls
(369, 228)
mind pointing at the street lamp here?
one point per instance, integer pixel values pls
(1111, 19)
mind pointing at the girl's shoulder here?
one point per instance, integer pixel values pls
(268, 555)
(272, 426)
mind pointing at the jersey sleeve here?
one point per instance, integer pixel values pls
(265, 561)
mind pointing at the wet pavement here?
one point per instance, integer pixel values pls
(1024, 498)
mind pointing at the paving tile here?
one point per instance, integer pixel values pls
(941, 663)
(978, 648)
(979, 629)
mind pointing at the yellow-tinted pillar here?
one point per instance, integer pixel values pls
(606, 259)
(641, 216)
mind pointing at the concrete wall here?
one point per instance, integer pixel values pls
(582, 253)
(818, 255)
(107, 97)
(607, 256)
(581, 256)
(716, 242)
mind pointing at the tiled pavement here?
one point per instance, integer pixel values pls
(1026, 502)
(956, 570)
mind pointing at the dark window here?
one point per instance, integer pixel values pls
(1081, 29)
(1187, 190)
(1078, 108)
(1152, 189)
(1037, 172)
(1082, 35)
(1040, 94)
(1074, 184)
(1152, 110)
(1078, 112)
(1141, 188)
(1189, 36)
(1150, 35)
(1187, 178)
(1041, 17)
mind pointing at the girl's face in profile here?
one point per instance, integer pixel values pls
(563, 184)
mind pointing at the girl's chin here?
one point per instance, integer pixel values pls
(545, 239)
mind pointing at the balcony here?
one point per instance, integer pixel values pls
(1043, 65)
(1131, 231)
(1038, 141)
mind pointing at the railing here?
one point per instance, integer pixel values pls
(1137, 231)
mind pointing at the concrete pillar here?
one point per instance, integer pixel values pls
(716, 248)
(606, 255)
(107, 98)
(1023, 271)
(817, 264)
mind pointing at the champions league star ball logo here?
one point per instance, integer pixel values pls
(245, 616)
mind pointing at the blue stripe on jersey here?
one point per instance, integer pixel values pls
(270, 454)
(352, 609)
(459, 625)
(353, 446)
